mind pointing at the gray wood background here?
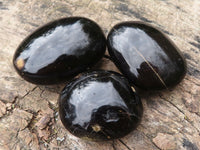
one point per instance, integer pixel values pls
(29, 113)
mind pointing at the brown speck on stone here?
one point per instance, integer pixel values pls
(20, 63)
(96, 75)
(133, 89)
(96, 128)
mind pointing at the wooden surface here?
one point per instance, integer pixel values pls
(29, 113)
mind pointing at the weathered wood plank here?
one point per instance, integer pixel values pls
(171, 118)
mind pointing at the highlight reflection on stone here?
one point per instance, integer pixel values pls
(145, 55)
(100, 105)
(59, 50)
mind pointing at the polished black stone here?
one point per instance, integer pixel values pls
(99, 106)
(145, 55)
(59, 50)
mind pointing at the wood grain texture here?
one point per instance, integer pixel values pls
(171, 118)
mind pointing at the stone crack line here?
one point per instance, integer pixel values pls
(29, 92)
(155, 145)
(50, 105)
(150, 139)
(124, 144)
(113, 145)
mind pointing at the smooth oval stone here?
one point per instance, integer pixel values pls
(59, 50)
(100, 106)
(145, 55)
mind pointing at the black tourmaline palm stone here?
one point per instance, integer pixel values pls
(59, 50)
(145, 55)
(100, 106)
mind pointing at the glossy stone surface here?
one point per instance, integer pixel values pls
(59, 50)
(99, 106)
(145, 55)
